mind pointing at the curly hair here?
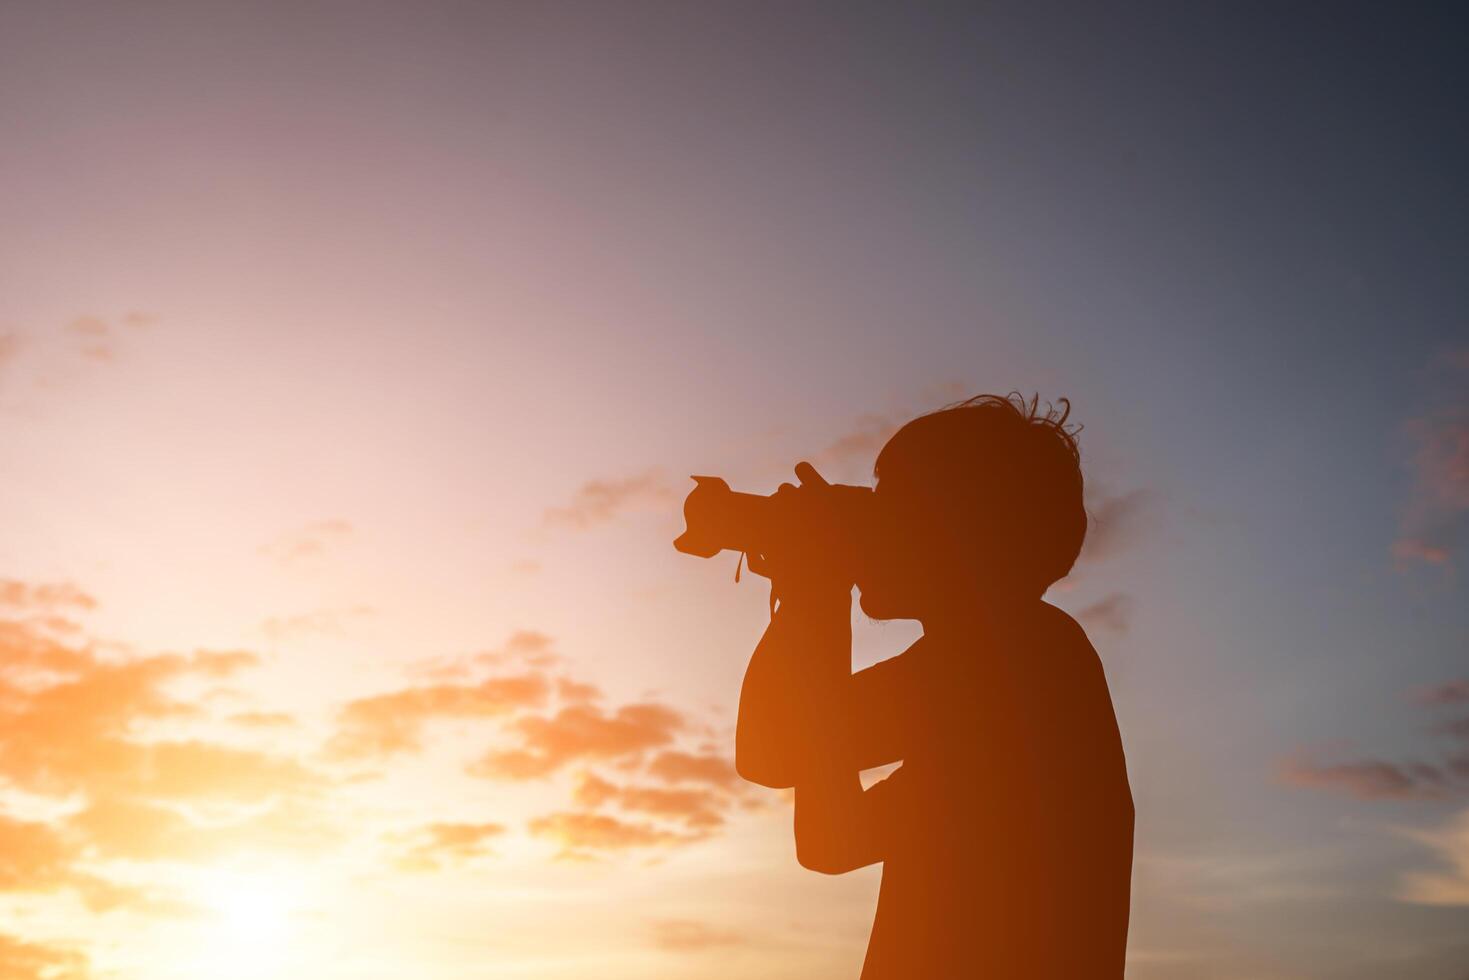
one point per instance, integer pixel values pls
(1009, 472)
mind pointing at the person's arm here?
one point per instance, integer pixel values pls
(804, 719)
(793, 683)
(802, 712)
(838, 824)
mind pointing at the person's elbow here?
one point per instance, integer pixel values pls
(822, 857)
(763, 772)
(825, 849)
(757, 761)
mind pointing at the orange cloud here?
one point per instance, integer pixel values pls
(95, 335)
(75, 726)
(385, 724)
(696, 808)
(599, 501)
(307, 542)
(330, 621)
(580, 833)
(568, 689)
(688, 935)
(118, 828)
(580, 731)
(72, 720)
(11, 344)
(37, 857)
(263, 719)
(674, 766)
(592, 790)
(33, 857)
(20, 960)
(23, 595)
(440, 844)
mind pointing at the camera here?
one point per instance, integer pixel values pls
(720, 519)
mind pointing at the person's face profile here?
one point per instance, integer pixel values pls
(901, 558)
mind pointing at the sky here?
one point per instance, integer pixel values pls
(354, 357)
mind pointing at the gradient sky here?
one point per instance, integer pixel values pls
(353, 357)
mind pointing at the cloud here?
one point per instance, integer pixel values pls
(132, 787)
(1407, 550)
(1433, 518)
(1112, 612)
(72, 721)
(568, 689)
(691, 796)
(198, 770)
(1449, 692)
(329, 621)
(530, 646)
(599, 501)
(1378, 779)
(578, 732)
(33, 856)
(689, 935)
(697, 807)
(263, 719)
(44, 596)
(1457, 727)
(386, 724)
(685, 795)
(78, 734)
(95, 336)
(694, 807)
(674, 766)
(1450, 884)
(138, 831)
(11, 343)
(310, 541)
(1114, 523)
(863, 440)
(52, 355)
(579, 834)
(88, 326)
(439, 845)
(21, 960)
(1370, 779)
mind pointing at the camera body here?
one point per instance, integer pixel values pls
(720, 519)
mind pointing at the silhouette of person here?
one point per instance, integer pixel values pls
(1006, 833)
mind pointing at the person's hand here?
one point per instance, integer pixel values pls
(813, 553)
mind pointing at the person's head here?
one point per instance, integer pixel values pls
(979, 501)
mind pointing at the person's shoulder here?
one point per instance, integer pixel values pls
(1059, 625)
(1067, 643)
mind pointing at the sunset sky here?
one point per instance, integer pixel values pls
(354, 358)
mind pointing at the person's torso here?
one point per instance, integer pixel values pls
(1005, 830)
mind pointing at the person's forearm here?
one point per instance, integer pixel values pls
(831, 835)
(793, 684)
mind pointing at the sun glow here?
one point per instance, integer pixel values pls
(249, 923)
(250, 909)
